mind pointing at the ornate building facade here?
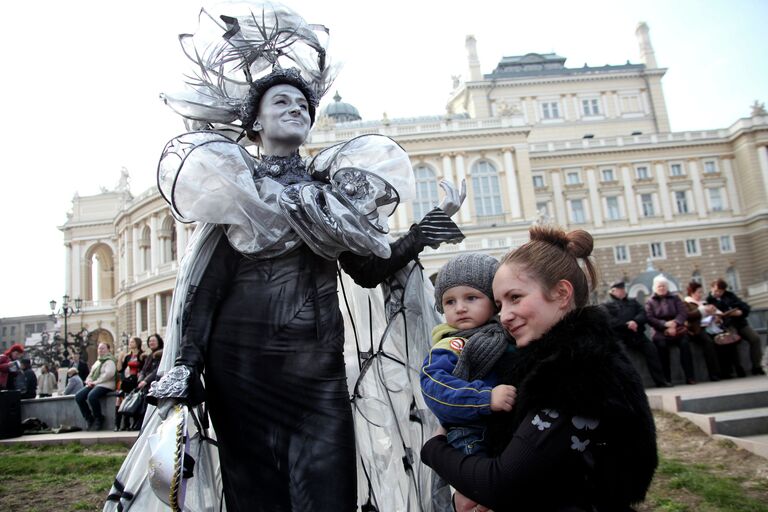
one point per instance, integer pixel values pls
(587, 147)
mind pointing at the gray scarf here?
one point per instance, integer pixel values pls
(485, 345)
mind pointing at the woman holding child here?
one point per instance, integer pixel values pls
(581, 435)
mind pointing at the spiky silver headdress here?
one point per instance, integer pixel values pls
(238, 52)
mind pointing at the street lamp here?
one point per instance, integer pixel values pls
(65, 312)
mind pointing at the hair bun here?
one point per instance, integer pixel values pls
(579, 243)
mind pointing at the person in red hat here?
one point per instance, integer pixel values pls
(9, 365)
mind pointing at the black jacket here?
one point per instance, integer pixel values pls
(581, 436)
(730, 300)
(621, 311)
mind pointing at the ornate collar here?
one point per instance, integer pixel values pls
(286, 170)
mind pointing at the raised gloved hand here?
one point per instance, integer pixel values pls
(453, 197)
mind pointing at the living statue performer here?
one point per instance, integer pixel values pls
(256, 338)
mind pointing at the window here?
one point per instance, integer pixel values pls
(577, 211)
(710, 167)
(657, 250)
(621, 254)
(681, 201)
(590, 107)
(692, 247)
(426, 191)
(39, 327)
(726, 243)
(487, 193)
(550, 110)
(676, 170)
(165, 306)
(538, 181)
(572, 178)
(5, 331)
(542, 208)
(143, 320)
(642, 173)
(715, 199)
(145, 249)
(732, 278)
(13, 330)
(608, 175)
(646, 203)
(630, 103)
(612, 208)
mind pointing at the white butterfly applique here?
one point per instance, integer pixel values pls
(583, 423)
(541, 425)
(578, 445)
(552, 413)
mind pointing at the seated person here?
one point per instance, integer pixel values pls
(627, 319)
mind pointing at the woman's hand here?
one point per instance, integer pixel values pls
(464, 504)
(141, 384)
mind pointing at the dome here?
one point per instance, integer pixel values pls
(341, 112)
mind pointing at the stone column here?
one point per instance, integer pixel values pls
(464, 213)
(661, 179)
(138, 324)
(512, 188)
(158, 300)
(557, 196)
(698, 190)
(136, 252)
(594, 198)
(730, 184)
(68, 266)
(154, 243)
(629, 194)
(762, 158)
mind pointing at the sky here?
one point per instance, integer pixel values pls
(80, 83)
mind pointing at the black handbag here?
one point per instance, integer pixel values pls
(133, 404)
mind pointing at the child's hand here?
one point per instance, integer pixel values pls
(503, 398)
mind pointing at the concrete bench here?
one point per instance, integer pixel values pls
(62, 410)
(699, 365)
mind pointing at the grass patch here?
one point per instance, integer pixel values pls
(711, 491)
(68, 477)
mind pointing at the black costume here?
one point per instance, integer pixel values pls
(581, 436)
(621, 311)
(271, 330)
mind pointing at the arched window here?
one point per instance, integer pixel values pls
(167, 236)
(486, 190)
(145, 247)
(426, 191)
(732, 278)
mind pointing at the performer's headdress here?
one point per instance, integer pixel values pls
(239, 51)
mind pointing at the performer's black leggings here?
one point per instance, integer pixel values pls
(285, 431)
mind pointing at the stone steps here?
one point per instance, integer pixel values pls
(736, 410)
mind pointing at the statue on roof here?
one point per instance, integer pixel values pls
(124, 185)
(758, 109)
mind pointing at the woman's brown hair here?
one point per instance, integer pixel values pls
(552, 255)
(692, 287)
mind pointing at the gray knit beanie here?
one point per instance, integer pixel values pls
(471, 269)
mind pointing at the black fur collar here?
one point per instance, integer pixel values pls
(577, 366)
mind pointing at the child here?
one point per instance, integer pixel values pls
(456, 378)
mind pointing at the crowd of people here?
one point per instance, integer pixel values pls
(133, 369)
(717, 324)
